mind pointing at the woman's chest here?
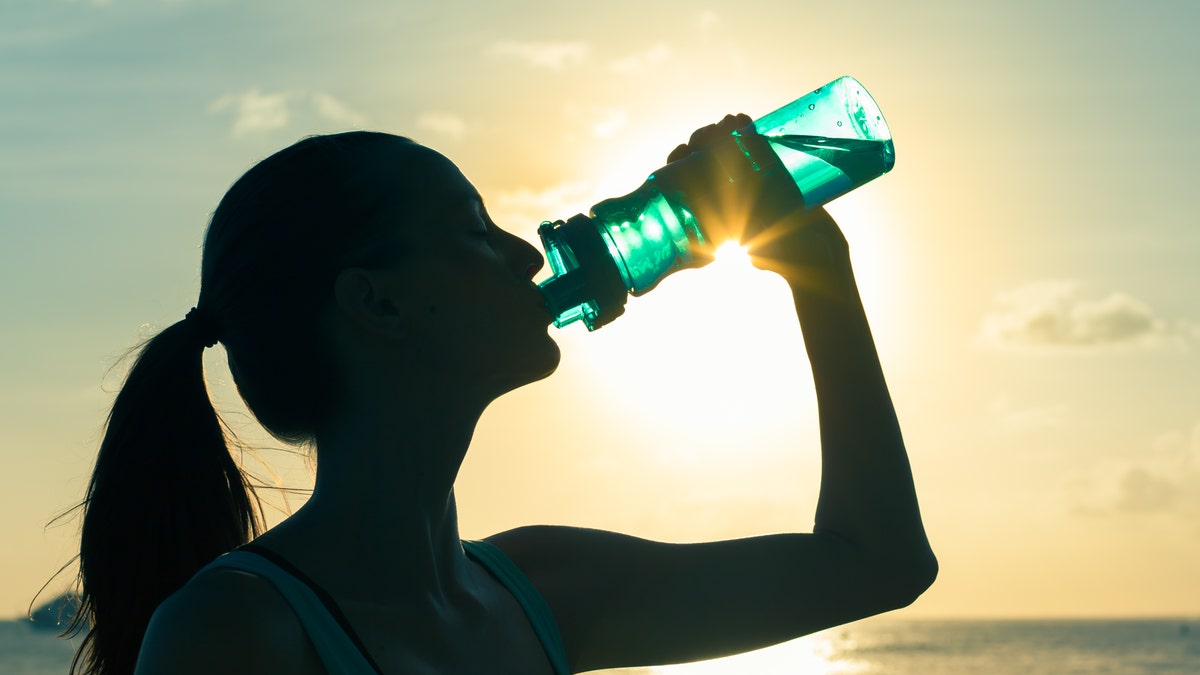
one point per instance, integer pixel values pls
(500, 643)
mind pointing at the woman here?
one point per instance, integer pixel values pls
(371, 308)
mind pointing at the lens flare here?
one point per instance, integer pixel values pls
(731, 253)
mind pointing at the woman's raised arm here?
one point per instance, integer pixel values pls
(623, 601)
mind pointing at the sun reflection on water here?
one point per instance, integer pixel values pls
(818, 654)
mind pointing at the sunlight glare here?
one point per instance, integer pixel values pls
(731, 253)
(712, 355)
(809, 655)
(877, 253)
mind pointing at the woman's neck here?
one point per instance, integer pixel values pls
(382, 523)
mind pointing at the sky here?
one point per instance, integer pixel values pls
(1028, 267)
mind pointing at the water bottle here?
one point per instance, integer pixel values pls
(801, 156)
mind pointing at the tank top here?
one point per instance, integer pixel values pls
(340, 649)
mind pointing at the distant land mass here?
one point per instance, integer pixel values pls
(56, 614)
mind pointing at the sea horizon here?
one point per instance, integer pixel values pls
(883, 645)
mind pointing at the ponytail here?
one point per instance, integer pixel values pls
(165, 499)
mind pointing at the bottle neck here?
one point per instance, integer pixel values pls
(674, 220)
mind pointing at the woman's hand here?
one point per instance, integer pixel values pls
(706, 135)
(805, 246)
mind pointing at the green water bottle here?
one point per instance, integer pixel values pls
(801, 156)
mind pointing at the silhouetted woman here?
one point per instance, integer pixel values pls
(369, 306)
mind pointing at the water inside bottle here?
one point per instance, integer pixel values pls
(825, 167)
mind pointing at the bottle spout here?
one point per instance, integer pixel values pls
(586, 284)
(564, 295)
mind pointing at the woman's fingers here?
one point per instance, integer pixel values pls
(681, 151)
(706, 134)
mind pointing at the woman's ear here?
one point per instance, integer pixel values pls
(362, 297)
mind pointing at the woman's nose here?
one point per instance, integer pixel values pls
(535, 261)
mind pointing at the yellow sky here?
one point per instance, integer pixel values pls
(1028, 266)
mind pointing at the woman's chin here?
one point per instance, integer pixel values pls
(533, 367)
(553, 356)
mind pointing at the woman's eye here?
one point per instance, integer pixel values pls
(476, 228)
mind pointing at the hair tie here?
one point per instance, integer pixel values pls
(204, 325)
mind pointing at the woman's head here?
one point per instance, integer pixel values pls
(337, 258)
(342, 211)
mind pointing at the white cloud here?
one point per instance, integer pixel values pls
(642, 62)
(254, 112)
(612, 121)
(110, 3)
(332, 109)
(443, 124)
(517, 207)
(602, 121)
(707, 22)
(547, 55)
(1051, 315)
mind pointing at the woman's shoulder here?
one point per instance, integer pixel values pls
(229, 621)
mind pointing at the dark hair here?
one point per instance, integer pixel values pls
(166, 496)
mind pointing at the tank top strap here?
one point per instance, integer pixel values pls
(540, 616)
(335, 642)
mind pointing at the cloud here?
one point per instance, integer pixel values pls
(110, 3)
(643, 62)
(1050, 315)
(707, 22)
(1140, 491)
(1164, 481)
(254, 112)
(332, 109)
(602, 121)
(612, 121)
(524, 205)
(1146, 489)
(443, 124)
(548, 55)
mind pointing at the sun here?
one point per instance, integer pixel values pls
(814, 654)
(715, 354)
(711, 357)
(731, 253)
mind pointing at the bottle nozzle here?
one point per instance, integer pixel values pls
(586, 284)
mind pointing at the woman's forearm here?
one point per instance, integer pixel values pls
(867, 494)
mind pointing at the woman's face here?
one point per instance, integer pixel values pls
(475, 312)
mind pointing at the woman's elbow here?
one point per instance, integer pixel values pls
(907, 579)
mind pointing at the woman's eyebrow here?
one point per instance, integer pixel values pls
(483, 212)
(466, 202)
(471, 200)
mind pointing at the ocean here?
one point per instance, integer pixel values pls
(879, 646)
